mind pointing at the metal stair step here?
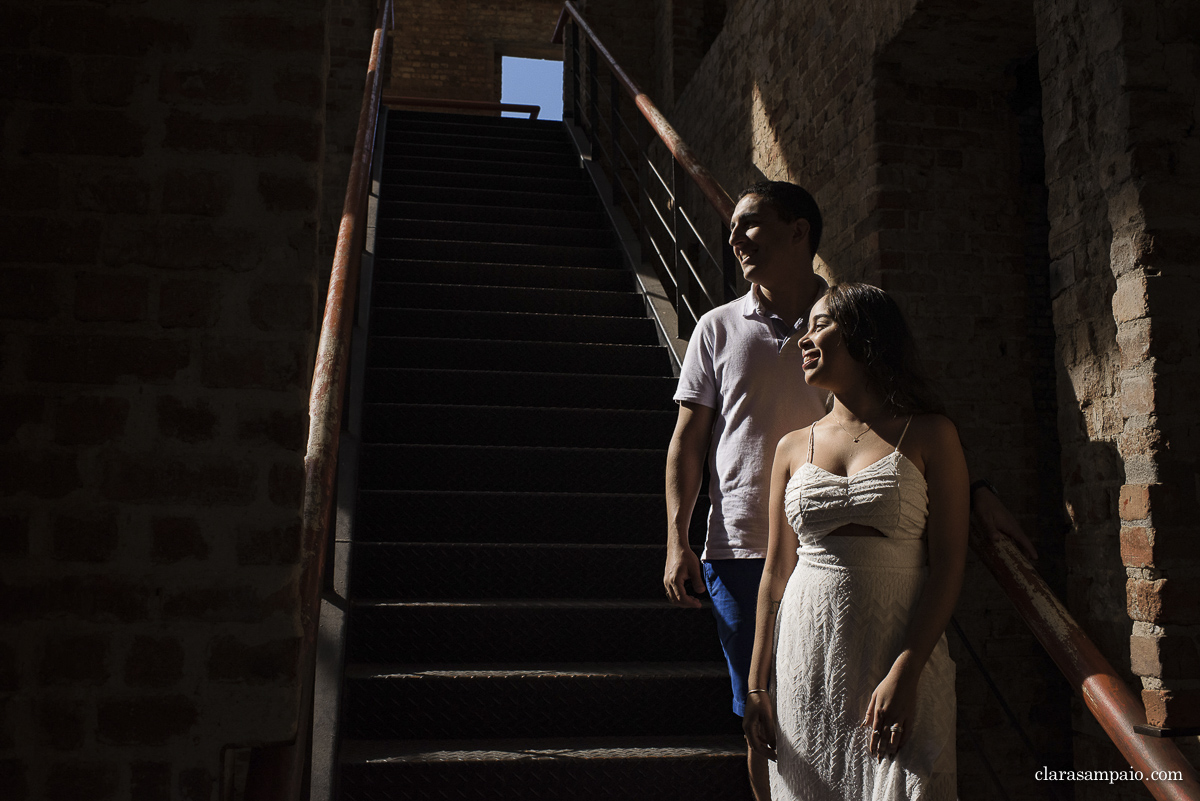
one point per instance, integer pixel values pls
(510, 468)
(579, 185)
(499, 274)
(507, 252)
(508, 233)
(511, 326)
(480, 137)
(559, 631)
(520, 388)
(488, 162)
(475, 152)
(476, 196)
(601, 700)
(502, 355)
(470, 515)
(497, 215)
(396, 294)
(515, 425)
(403, 571)
(681, 768)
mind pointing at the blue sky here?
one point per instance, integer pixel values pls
(532, 81)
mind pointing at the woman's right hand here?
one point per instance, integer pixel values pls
(759, 724)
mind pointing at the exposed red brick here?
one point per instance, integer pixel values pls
(182, 244)
(142, 720)
(30, 187)
(90, 419)
(45, 473)
(85, 539)
(286, 484)
(14, 535)
(195, 422)
(269, 545)
(1144, 599)
(256, 135)
(113, 190)
(1135, 502)
(103, 359)
(252, 363)
(1169, 708)
(90, 132)
(286, 429)
(274, 661)
(282, 307)
(75, 659)
(188, 304)
(175, 539)
(177, 478)
(111, 297)
(218, 604)
(63, 723)
(27, 76)
(195, 784)
(201, 192)
(42, 240)
(1136, 550)
(71, 781)
(150, 781)
(287, 191)
(17, 411)
(299, 87)
(220, 85)
(154, 662)
(111, 81)
(273, 33)
(93, 598)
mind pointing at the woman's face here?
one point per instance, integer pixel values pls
(827, 364)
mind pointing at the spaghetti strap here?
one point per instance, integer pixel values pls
(811, 429)
(902, 433)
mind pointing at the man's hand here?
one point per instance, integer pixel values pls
(992, 517)
(683, 565)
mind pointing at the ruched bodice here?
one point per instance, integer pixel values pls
(889, 495)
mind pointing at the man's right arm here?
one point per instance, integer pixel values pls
(685, 471)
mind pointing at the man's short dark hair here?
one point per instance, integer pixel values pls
(791, 203)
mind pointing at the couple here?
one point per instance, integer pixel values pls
(833, 573)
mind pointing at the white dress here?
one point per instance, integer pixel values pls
(839, 628)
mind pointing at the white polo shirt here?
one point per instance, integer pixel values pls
(737, 365)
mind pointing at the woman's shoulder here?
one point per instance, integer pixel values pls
(795, 443)
(933, 429)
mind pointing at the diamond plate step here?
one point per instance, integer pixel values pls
(517, 517)
(506, 355)
(512, 326)
(529, 631)
(609, 700)
(630, 769)
(515, 425)
(458, 297)
(510, 468)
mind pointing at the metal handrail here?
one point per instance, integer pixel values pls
(1105, 694)
(283, 776)
(470, 105)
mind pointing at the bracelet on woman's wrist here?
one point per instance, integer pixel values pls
(982, 483)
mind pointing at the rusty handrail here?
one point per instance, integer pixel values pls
(713, 191)
(474, 105)
(1106, 695)
(325, 410)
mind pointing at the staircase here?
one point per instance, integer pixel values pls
(507, 631)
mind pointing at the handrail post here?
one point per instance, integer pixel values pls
(576, 111)
(614, 116)
(593, 99)
(683, 274)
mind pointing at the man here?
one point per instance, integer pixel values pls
(741, 389)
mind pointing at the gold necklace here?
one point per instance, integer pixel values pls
(856, 439)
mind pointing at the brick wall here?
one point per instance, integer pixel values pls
(452, 48)
(162, 174)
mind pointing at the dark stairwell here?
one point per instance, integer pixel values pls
(506, 631)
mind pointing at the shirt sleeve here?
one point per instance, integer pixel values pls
(697, 378)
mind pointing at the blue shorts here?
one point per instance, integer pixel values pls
(733, 588)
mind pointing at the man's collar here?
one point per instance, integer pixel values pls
(752, 305)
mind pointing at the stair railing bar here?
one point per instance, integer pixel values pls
(470, 105)
(283, 777)
(987, 763)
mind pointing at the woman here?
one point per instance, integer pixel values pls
(869, 510)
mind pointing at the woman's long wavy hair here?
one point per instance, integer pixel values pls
(877, 336)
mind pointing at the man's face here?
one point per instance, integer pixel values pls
(770, 250)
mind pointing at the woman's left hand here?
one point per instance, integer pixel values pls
(890, 712)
